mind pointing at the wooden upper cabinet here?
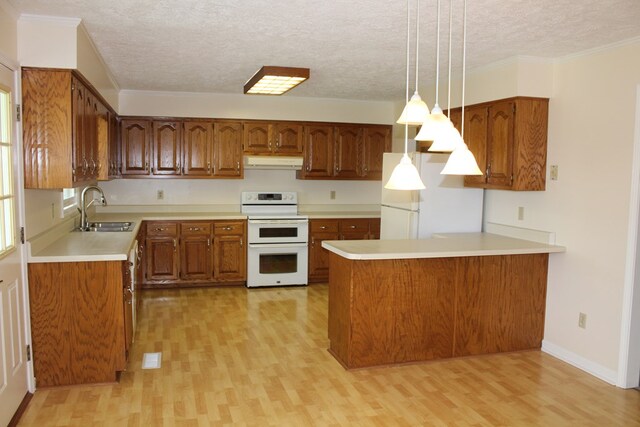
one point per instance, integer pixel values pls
(256, 138)
(135, 139)
(347, 152)
(197, 148)
(475, 136)
(115, 160)
(273, 138)
(167, 144)
(103, 170)
(227, 154)
(500, 147)
(318, 151)
(287, 138)
(60, 129)
(509, 140)
(376, 140)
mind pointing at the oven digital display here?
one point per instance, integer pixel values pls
(269, 196)
(279, 232)
(278, 263)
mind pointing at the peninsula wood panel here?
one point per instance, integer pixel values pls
(501, 303)
(396, 311)
(77, 318)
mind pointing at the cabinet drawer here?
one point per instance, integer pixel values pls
(161, 228)
(225, 228)
(356, 224)
(324, 226)
(195, 228)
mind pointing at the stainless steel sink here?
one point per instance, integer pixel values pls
(113, 226)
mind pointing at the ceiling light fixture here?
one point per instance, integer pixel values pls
(405, 176)
(461, 161)
(415, 111)
(272, 80)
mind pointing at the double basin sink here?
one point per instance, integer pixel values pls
(113, 226)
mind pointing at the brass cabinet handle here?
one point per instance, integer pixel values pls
(160, 229)
(241, 243)
(353, 226)
(85, 165)
(208, 243)
(146, 166)
(238, 166)
(227, 228)
(175, 244)
(208, 167)
(323, 227)
(177, 168)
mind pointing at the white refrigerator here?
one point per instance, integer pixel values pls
(444, 206)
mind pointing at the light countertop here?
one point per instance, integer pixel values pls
(69, 246)
(442, 246)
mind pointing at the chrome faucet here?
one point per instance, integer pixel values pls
(84, 221)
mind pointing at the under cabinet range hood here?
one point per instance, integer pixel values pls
(273, 162)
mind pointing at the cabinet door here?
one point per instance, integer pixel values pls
(346, 153)
(127, 306)
(475, 136)
(197, 148)
(318, 151)
(376, 141)
(287, 138)
(227, 143)
(195, 251)
(135, 142)
(162, 258)
(257, 138)
(91, 134)
(229, 258)
(500, 146)
(80, 164)
(320, 230)
(167, 140)
(115, 165)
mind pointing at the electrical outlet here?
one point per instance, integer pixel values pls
(332, 194)
(553, 172)
(520, 213)
(582, 321)
(160, 195)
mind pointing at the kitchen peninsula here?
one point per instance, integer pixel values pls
(399, 301)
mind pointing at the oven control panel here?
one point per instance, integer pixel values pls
(269, 198)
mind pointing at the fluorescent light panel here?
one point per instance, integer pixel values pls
(272, 80)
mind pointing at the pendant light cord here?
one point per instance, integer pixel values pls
(464, 60)
(438, 54)
(406, 125)
(450, 32)
(417, 38)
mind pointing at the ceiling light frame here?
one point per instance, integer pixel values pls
(275, 80)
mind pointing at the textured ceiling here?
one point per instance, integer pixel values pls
(354, 48)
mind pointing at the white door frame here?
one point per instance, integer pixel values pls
(18, 176)
(629, 354)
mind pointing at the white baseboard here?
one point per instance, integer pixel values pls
(599, 371)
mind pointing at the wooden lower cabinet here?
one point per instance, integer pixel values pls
(81, 321)
(407, 310)
(194, 253)
(335, 229)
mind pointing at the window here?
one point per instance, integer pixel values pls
(69, 200)
(7, 196)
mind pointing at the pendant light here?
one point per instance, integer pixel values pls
(405, 176)
(461, 161)
(415, 111)
(437, 124)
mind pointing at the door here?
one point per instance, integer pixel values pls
(13, 327)
(287, 138)
(135, 139)
(500, 151)
(475, 136)
(227, 149)
(257, 138)
(197, 148)
(167, 141)
(318, 151)
(376, 141)
(347, 149)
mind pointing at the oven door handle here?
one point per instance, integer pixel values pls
(278, 221)
(278, 245)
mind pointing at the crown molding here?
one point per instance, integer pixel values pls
(71, 22)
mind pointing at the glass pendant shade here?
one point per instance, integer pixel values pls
(447, 141)
(405, 176)
(436, 126)
(461, 162)
(415, 112)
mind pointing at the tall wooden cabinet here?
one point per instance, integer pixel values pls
(61, 112)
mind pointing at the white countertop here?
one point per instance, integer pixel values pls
(70, 246)
(442, 246)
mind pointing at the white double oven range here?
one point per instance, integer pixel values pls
(278, 239)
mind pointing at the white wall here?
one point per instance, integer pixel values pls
(93, 67)
(591, 125)
(47, 41)
(8, 31)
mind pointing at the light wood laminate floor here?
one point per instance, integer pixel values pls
(232, 356)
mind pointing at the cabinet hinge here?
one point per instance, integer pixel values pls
(18, 112)
(511, 179)
(22, 235)
(28, 352)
